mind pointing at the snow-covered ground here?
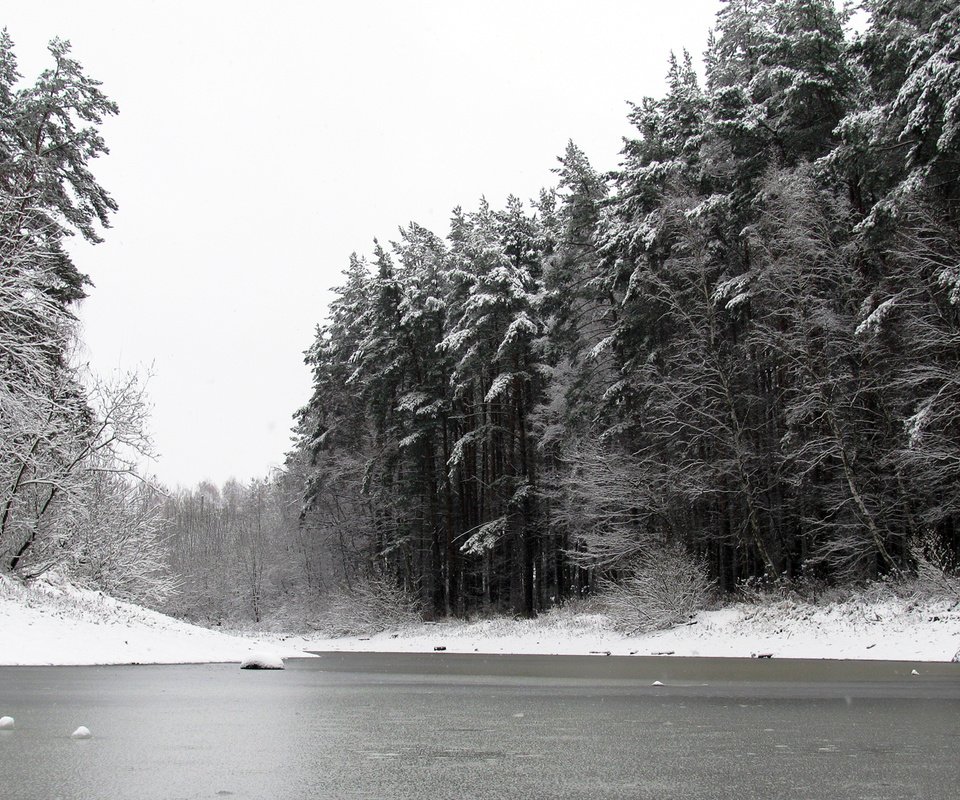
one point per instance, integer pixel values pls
(53, 623)
(892, 629)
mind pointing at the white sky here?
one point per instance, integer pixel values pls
(258, 146)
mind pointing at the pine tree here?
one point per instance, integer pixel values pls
(497, 379)
(49, 136)
(903, 139)
(56, 434)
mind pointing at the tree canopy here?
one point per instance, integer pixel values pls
(743, 342)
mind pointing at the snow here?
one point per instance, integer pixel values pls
(889, 629)
(6, 723)
(52, 622)
(262, 660)
(81, 733)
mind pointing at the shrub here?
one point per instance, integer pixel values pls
(937, 576)
(664, 588)
(370, 606)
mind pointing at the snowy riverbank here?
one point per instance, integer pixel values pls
(54, 623)
(51, 623)
(891, 629)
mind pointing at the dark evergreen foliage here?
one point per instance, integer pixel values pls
(744, 342)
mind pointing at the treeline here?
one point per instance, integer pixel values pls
(239, 552)
(743, 345)
(746, 340)
(69, 441)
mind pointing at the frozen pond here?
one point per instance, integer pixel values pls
(455, 726)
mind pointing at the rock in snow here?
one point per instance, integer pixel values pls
(81, 733)
(6, 723)
(262, 660)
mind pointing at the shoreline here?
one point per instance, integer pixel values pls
(53, 623)
(888, 629)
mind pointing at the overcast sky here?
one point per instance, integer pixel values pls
(258, 145)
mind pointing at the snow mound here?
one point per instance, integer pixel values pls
(51, 621)
(6, 723)
(262, 660)
(81, 733)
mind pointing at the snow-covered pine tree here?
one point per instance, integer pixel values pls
(58, 436)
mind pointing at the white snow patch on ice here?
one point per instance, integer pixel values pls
(82, 732)
(262, 660)
(6, 723)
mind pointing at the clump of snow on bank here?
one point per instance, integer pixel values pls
(52, 622)
(886, 629)
(262, 660)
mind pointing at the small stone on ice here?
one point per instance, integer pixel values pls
(262, 660)
(81, 733)
(6, 723)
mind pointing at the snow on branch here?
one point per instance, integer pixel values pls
(871, 324)
(486, 537)
(499, 386)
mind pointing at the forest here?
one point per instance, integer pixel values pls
(738, 353)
